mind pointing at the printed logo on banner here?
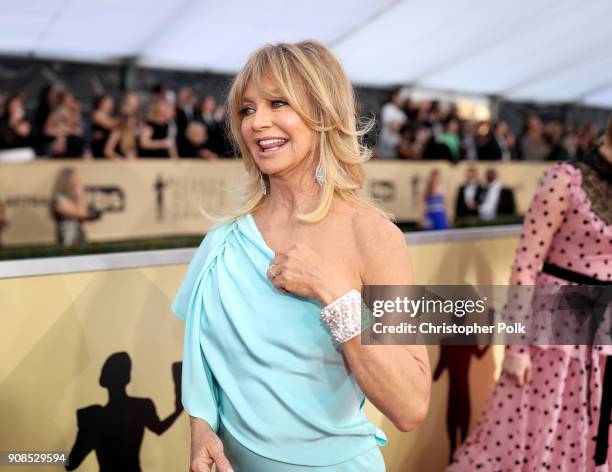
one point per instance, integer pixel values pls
(26, 201)
(105, 199)
(382, 190)
(184, 198)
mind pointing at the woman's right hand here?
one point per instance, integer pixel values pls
(518, 368)
(206, 449)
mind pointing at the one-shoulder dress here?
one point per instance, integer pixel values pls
(261, 368)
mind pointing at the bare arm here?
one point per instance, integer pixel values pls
(76, 210)
(111, 145)
(102, 119)
(544, 217)
(396, 379)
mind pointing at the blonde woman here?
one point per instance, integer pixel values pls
(69, 208)
(158, 137)
(123, 140)
(275, 376)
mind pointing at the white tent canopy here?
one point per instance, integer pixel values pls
(543, 50)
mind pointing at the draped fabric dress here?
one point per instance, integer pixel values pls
(261, 368)
(551, 423)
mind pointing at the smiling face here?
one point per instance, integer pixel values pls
(275, 134)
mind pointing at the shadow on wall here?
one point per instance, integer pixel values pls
(457, 359)
(115, 431)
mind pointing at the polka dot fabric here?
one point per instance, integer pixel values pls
(549, 424)
(560, 228)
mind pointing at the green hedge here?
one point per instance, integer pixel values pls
(474, 221)
(30, 252)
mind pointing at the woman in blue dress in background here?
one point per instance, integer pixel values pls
(436, 214)
(275, 376)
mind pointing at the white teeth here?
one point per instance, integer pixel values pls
(266, 142)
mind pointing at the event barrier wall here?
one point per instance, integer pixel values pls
(62, 319)
(163, 198)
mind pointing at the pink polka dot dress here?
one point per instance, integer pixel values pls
(551, 423)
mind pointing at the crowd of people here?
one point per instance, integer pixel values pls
(429, 130)
(182, 124)
(170, 126)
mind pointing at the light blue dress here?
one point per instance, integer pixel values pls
(261, 368)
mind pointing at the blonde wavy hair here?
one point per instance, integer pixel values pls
(310, 78)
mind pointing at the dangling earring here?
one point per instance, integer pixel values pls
(320, 174)
(262, 184)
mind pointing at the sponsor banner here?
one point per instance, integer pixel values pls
(154, 198)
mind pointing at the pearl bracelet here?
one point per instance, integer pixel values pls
(343, 316)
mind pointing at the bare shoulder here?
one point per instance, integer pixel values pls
(374, 232)
(381, 249)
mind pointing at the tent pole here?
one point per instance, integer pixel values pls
(127, 74)
(494, 106)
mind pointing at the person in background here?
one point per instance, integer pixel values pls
(553, 138)
(69, 208)
(195, 145)
(162, 92)
(411, 110)
(586, 139)
(64, 128)
(123, 140)
(450, 138)
(15, 129)
(206, 111)
(208, 114)
(512, 146)
(500, 133)
(435, 214)
(550, 409)
(408, 149)
(496, 199)
(469, 194)
(434, 149)
(185, 114)
(531, 144)
(48, 101)
(570, 141)
(102, 123)
(130, 105)
(468, 141)
(156, 138)
(486, 143)
(392, 118)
